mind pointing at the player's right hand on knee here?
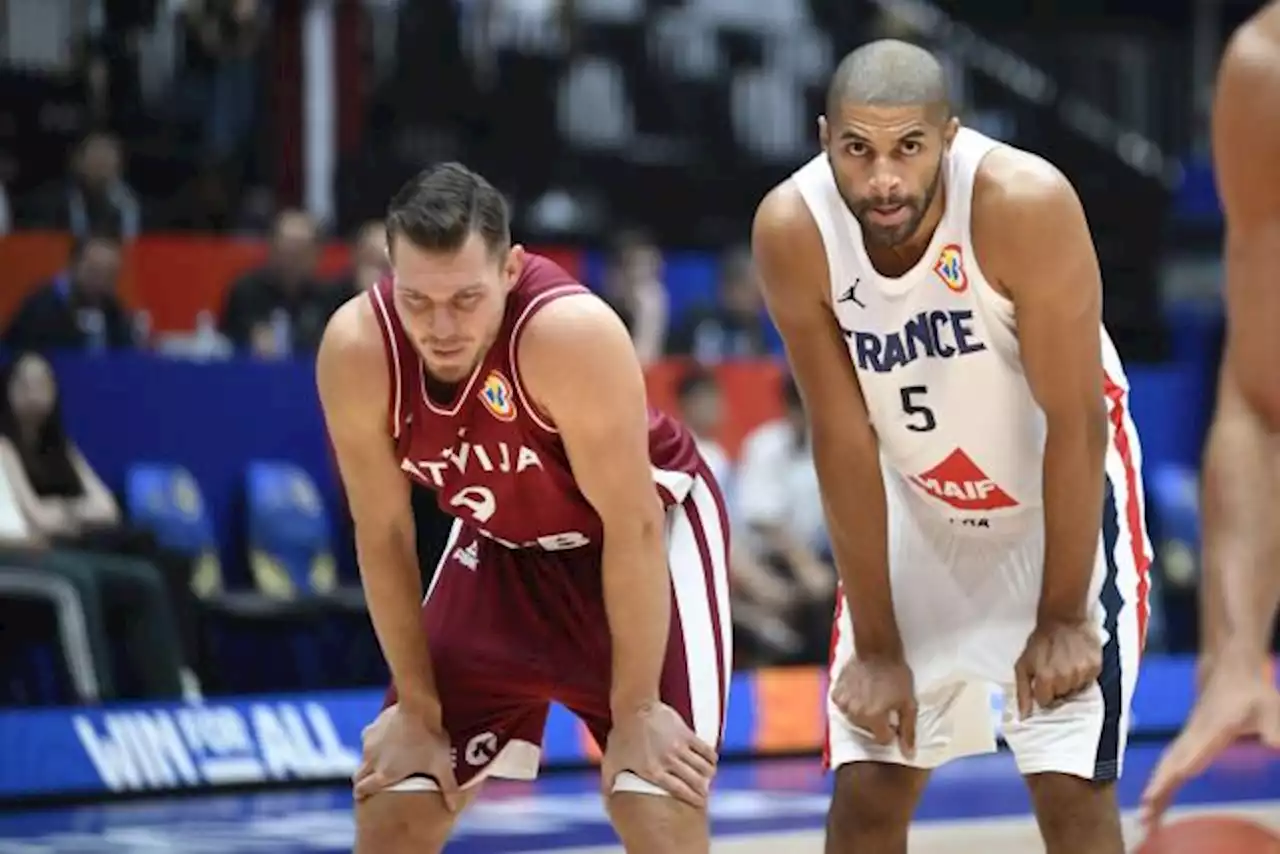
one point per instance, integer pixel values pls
(399, 745)
(654, 743)
(877, 695)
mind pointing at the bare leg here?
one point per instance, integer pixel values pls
(656, 824)
(405, 823)
(871, 808)
(1075, 814)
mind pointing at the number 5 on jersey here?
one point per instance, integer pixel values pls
(912, 404)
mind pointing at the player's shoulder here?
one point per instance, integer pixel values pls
(574, 321)
(1021, 203)
(352, 351)
(783, 215)
(1246, 115)
(1024, 212)
(575, 351)
(1255, 45)
(353, 328)
(1011, 182)
(787, 245)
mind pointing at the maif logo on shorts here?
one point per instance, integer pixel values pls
(496, 395)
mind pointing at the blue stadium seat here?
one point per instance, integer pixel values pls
(292, 562)
(692, 280)
(290, 548)
(1175, 498)
(1173, 510)
(166, 500)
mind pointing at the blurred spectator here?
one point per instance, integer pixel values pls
(781, 513)
(734, 328)
(760, 600)
(95, 198)
(6, 218)
(369, 263)
(65, 504)
(128, 627)
(221, 43)
(79, 309)
(281, 307)
(633, 287)
(702, 410)
(93, 74)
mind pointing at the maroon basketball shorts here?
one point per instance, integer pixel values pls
(511, 631)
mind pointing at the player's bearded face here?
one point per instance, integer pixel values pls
(452, 303)
(890, 218)
(887, 163)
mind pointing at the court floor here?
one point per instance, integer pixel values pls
(978, 805)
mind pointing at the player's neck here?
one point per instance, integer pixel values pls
(896, 260)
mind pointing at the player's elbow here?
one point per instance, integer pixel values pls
(636, 524)
(1260, 390)
(850, 447)
(1084, 425)
(380, 537)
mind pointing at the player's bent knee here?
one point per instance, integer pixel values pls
(872, 805)
(650, 823)
(1076, 814)
(404, 823)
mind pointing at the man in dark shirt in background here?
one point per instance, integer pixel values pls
(369, 263)
(79, 308)
(93, 199)
(282, 306)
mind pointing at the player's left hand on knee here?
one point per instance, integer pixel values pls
(656, 745)
(1062, 657)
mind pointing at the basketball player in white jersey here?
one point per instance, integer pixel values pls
(1241, 580)
(940, 300)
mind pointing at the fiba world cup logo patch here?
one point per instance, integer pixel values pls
(496, 396)
(950, 268)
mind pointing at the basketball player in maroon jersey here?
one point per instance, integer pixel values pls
(1241, 583)
(588, 561)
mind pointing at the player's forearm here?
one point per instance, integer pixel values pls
(1074, 472)
(853, 502)
(637, 601)
(1240, 586)
(393, 593)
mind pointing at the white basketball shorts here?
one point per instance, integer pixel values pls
(965, 605)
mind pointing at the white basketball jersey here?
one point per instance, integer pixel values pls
(936, 354)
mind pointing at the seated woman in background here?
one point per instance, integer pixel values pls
(68, 507)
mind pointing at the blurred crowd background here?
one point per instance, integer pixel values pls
(189, 188)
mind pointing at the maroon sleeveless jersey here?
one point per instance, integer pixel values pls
(492, 458)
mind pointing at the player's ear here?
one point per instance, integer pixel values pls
(949, 130)
(514, 264)
(824, 132)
